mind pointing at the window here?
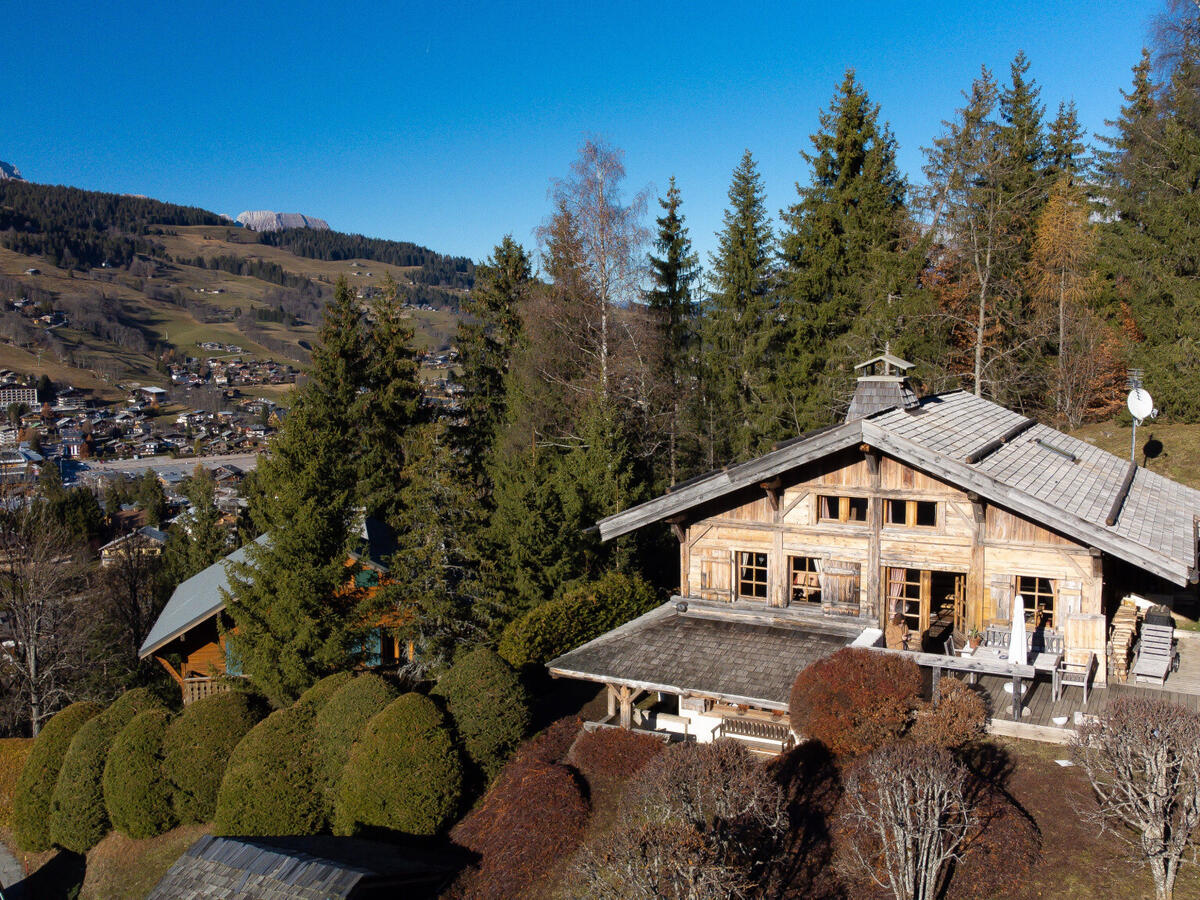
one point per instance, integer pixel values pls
(1039, 595)
(911, 513)
(804, 576)
(908, 590)
(841, 509)
(752, 575)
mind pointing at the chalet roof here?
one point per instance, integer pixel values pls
(303, 868)
(691, 652)
(886, 358)
(1058, 481)
(195, 600)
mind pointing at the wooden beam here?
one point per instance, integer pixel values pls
(772, 489)
(171, 669)
(1122, 493)
(679, 528)
(992, 446)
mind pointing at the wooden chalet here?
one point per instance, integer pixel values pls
(188, 640)
(942, 510)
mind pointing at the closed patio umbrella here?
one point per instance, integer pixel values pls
(1016, 638)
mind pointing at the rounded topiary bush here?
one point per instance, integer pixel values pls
(614, 752)
(341, 721)
(579, 614)
(78, 816)
(135, 792)
(957, 718)
(489, 707)
(856, 700)
(197, 746)
(35, 787)
(404, 774)
(271, 781)
(318, 695)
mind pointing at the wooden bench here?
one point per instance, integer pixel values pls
(776, 735)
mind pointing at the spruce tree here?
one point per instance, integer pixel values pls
(202, 541)
(1023, 142)
(844, 256)
(739, 328)
(672, 274)
(294, 622)
(1065, 149)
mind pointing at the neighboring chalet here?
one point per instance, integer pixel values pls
(146, 541)
(189, 629)
(941, 510)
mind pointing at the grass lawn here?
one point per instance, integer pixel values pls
(120, 868)
(1170, 450)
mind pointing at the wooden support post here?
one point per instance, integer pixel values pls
(612, 701)
(937, 676)
(680, 529)
(1016, 708)
(872, 577)
(772, 488)
(625, 696)
(171, 669)
(976, 581)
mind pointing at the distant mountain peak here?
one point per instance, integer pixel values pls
(9, 172)
(265, 220)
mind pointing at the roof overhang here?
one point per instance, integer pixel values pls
(147, 649)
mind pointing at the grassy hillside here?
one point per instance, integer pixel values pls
(1170, 450)
(177, 285)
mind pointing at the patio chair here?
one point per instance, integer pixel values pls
(1074, 670)
(1156, 655)
(951, 649)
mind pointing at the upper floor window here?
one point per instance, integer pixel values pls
(832, 508)
(911, 513)
(1039, 595)
(752, 575)
(805, 579)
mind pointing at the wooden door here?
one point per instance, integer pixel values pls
(716, 568)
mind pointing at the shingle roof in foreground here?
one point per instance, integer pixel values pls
(314, 868)
(729, 657)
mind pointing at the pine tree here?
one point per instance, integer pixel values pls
(843, 253)
(195, 546)
(1022, 142)
(739, 328)
(672, 273)
(295, 623)
(1065, 149)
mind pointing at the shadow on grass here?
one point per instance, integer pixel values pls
(58, 879)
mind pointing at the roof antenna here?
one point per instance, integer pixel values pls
(1141, 407)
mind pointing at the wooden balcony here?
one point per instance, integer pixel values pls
(197, 687)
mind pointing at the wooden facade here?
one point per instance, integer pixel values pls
(859, 533)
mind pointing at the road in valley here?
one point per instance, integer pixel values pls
(165, 464)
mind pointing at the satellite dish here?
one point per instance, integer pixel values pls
(1140, 403)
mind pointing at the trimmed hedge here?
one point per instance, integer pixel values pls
(271, 782)
(552, 743)
(579, 614)
(489, 705)
(35, 787)
(319, 694)
(958, 718)
(614, 752)
(404, 774)
(135, 792)
(197, 747)
(340, 723)
(78, 816)
(856, 700)
(13, 754)
(534, 816)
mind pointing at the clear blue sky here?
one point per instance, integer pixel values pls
(443, 122)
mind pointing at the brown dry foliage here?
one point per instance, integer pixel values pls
(958, 717)
(534, 816)
(855, 701)
(613, 752)
(552, 744)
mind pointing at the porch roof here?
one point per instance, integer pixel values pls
(736, 659)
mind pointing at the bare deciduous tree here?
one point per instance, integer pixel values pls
(1142, 758)
(43, 590)
(906, 816)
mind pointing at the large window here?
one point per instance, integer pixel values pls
(904, 592)
(752, 575)
(911, 513)
(804, 576)
(1039, 597)
(832, 508)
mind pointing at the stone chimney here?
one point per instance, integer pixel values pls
(882, 384)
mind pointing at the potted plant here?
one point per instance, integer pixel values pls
(974, 638)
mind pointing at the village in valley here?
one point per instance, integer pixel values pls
(698, 541)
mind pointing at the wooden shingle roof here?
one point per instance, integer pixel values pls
(1056, 480)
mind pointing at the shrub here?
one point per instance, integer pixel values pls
(489, 706)
(519, 841)
(35, 787)
(341, 721)
(78, 816)
(136, 794)
(271, 781)
(582, 612)
(197, 747)
(614, 752)
(404, 773)
(856, 700)
(318, 695)
(958, 718)
(13, 754)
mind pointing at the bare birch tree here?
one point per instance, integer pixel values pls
(43, 582)
(906, 815)
(1142, 758)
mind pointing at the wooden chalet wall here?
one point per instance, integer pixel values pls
(988, 545)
